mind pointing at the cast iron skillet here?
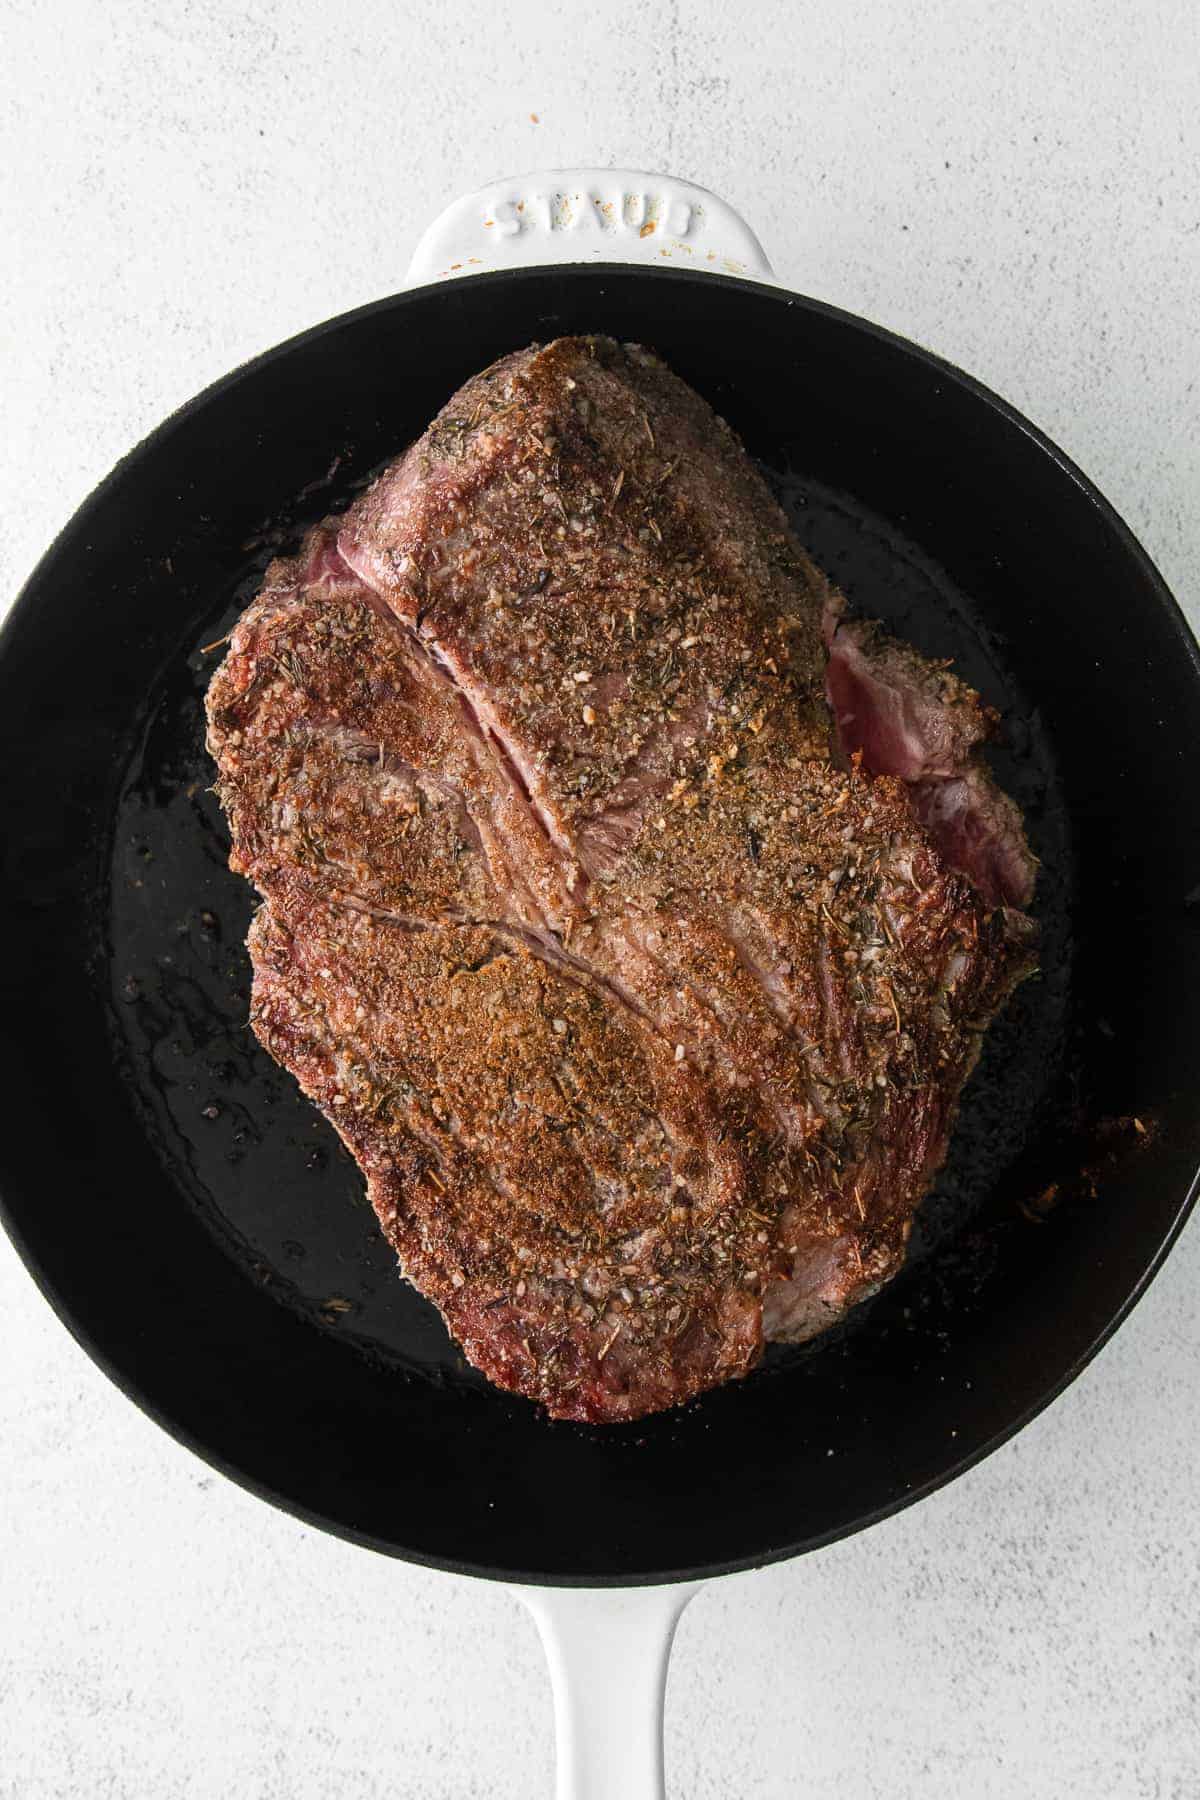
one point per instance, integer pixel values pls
(193, 1221)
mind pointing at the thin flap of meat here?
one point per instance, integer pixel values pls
(916, 719)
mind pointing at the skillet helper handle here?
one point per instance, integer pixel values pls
(608, 1650)
(588, 215)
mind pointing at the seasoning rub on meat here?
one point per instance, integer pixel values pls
(633, 918)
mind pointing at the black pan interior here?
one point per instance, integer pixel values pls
(196, 1222)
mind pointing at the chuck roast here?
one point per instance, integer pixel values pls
(640, 975)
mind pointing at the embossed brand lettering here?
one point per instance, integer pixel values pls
(641, 214)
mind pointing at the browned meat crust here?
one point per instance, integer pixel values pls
(644, 1011)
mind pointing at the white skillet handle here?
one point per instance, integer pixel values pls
(608, 1650)
(588, 215)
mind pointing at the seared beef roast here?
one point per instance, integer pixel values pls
(640, 974)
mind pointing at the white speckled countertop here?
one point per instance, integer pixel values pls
(1013, 183)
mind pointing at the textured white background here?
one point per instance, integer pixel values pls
(1017, 184)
